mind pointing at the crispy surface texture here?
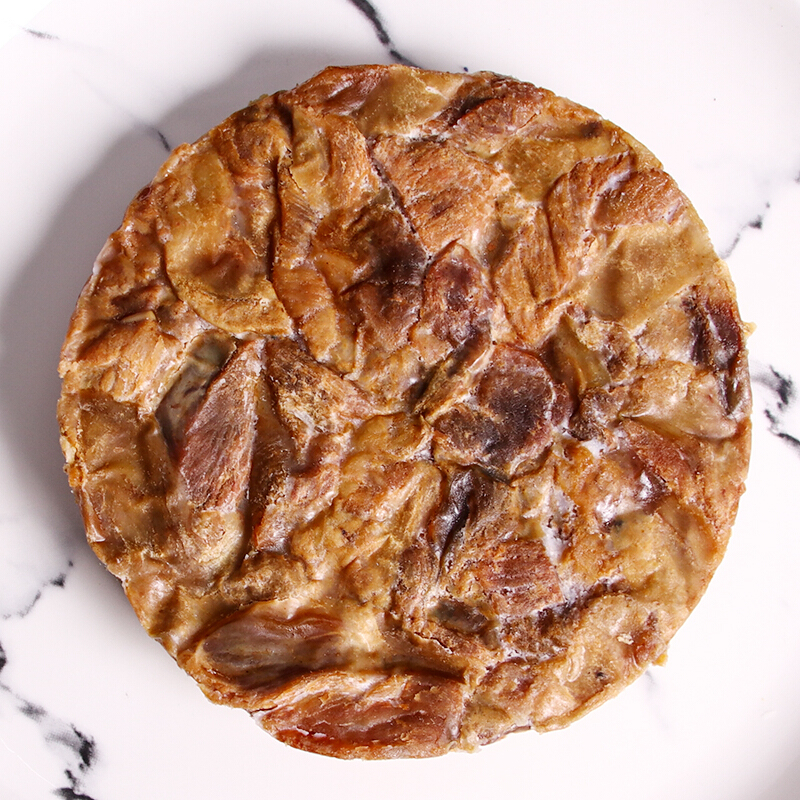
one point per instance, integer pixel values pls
(411, 409)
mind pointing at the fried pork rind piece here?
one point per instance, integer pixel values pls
(410, 409)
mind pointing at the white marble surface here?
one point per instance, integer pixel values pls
(92, 96)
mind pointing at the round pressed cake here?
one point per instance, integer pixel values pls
(410, 408)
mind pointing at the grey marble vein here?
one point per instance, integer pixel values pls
(73, 750)
(159, 134)
(151, 129)
(40, 34)
(654, 695)
(756, 223)
(781, 399)
(371, 13)
(58, 581)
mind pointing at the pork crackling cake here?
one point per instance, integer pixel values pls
(411, 409)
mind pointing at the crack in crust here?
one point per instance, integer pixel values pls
(411, 409)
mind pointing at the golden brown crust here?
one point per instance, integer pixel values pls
(411, 409)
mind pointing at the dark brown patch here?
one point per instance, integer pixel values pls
(255, 650)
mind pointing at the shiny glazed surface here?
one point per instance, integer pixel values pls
(411, 408)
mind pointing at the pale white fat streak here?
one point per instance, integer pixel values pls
(361, 631)
(554, 545)
(596, 447)
(551, 513)
(613, 507)
(303, 597)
